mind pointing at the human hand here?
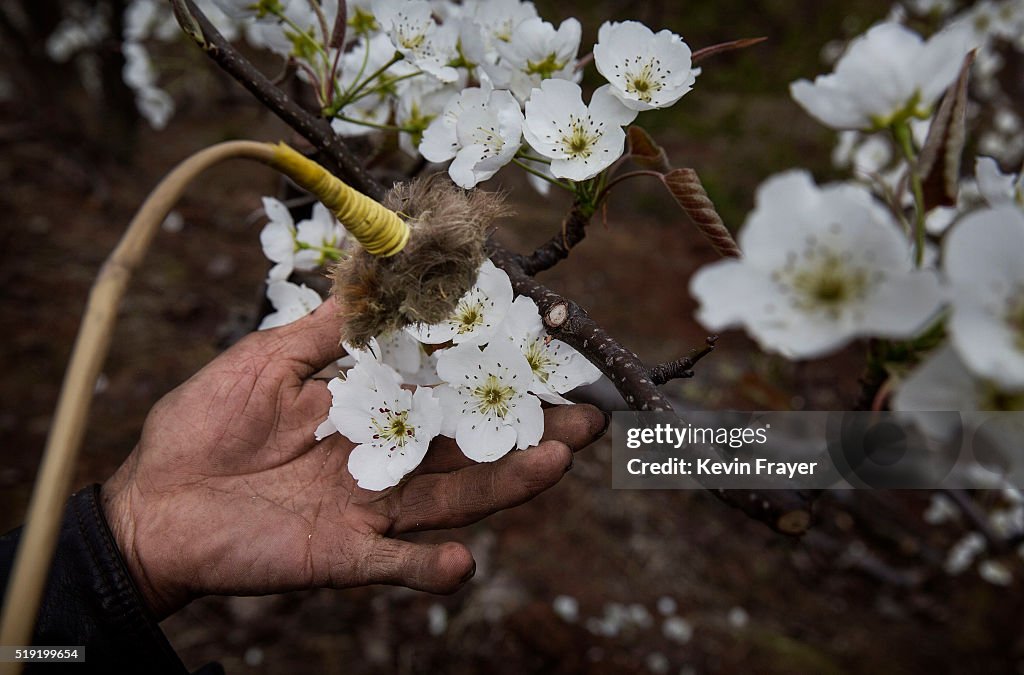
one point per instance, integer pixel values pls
(227, 492)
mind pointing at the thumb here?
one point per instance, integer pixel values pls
(435, 568)
(314, 341)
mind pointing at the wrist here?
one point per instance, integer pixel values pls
(116, 501)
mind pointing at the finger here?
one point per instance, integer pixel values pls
(435, 568)
(314, 341)
(575, 425)
(442, 500)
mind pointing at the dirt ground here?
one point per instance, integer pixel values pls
(662, 582)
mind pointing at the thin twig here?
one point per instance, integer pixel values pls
(681, 368)
(556, 249)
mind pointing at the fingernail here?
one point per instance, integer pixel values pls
(607, 424)
(572, 460)
(470, 574)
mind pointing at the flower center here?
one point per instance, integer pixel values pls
(410, 35)
(546, 67)
(825, 282)
(646, 81)
(578, 140)
(468, 316)
(393, 427)
(493, 397)
(490, 139)
(538, 359)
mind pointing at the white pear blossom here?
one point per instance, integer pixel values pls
(414, 33)
(317, 234)
(481, 135)
(865, 155)
(75, 34)
(498, 19)
(138, 70)
(478, 315)
(581, 140)
(646, 70)
(983, 263)
(420, 102)
(278, 239)
(963, 553)
(943, 383)
(441, 138)
(402, 352)
(154, 104)
(291, 302)
(557, 367)
(821, 266)
(488, 409)
(391, 427)
(536, 52)
(367, 57)
(996, 187)
(995, 572)
(886, 75)
(990, 20)
(303, 248)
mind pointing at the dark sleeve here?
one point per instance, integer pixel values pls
(91, 600)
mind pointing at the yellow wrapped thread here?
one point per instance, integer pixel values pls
(380, 231)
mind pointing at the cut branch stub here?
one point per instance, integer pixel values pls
(939, 163)
(686, 188)
(556, 315)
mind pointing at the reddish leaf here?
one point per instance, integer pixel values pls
(939, 163)
(340, 26)
(686, 187)
(645, 152)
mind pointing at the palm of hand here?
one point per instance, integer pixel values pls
(229, 493)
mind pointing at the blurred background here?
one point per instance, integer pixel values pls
(584, 578)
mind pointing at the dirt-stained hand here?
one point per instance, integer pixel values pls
(227, 491)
